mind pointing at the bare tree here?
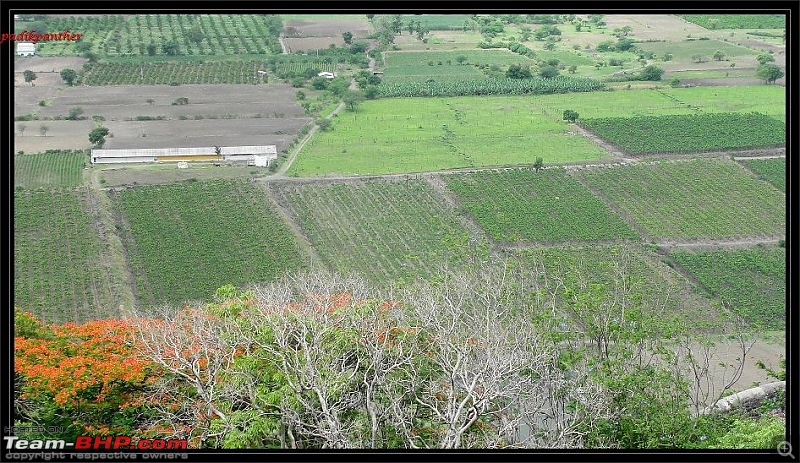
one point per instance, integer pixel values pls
(496, 383)
(190, 345)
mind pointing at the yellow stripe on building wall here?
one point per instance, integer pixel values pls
(203, 157)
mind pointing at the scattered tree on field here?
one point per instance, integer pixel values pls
(517, 71)
(765, 58)
(718, 55)
(675, 82)
(170, 47)
(195, 34)
(769, 72)
(324, 124)
(537, 164)
(667, 56)
(347, 36)
(548, 72)
(570, 115)
(29, 76)
(98, 136)
(572, 69)
(43, 130)
(69, 76)
(352, 99)
(461, 59)
(651, 72)
(150, 101)
(75, 113)
(152, 49)
(371, 92)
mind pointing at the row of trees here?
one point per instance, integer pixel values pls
(490, 358)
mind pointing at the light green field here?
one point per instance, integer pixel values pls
(765, 99)
(423, 134)
(499, 57)
(683, 51)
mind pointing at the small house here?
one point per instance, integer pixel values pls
(26, 49)
(326, 74)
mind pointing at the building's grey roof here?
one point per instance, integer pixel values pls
(202, 151)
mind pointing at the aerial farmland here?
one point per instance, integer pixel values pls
(627, 165)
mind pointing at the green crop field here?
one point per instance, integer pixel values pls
(567, 58)
(423, 134)
(771, 170)
(649, 281)
(764, 99)
(737, 21)
(191, 238)
(500, 57)
(386, 231)
(752, 281)
(422, 73)
(192, 34)
(441, 22)
(199, 72)
(488, 86)
(60, 264)
(49, 169)
(689, 133)
(701, 198)
(550, 205)
(685, 50)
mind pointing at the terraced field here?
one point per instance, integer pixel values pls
(61, 271)
(520, 205)
(700, 198)
(188, 239)
(752, 281)
(388, 231)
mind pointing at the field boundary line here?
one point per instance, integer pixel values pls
(289, 217)
(118, 264)
(611, 204)
(721, 243)
(452, 202)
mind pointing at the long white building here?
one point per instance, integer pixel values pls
(260, 155)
